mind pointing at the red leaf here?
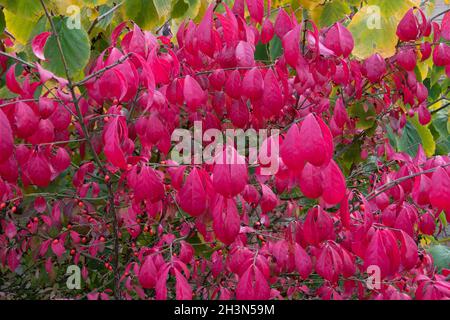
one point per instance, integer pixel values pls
(229, 173)
(310, 182)
(38, 170)
(303, 262)
(445, 27)
(226, 220)
(245, 55)
(148, 185)
(253, 84)
(256, 9)
(272, 97)
(182, 287)
(408, 28)
(192, 196)
(11, 81)
(268, 199)
(115, 133)
(315, 142)
(318, 226)
(193, 93)
(375, 67)
(267, 31)
(204, 33)
(340, 40)
(329, 264)
(290, 151)
(291, 46)
(408, 250)
(283, 23)
(333, 184)
(441, 55)
(252, 285)
(440, 189)
(233, 85)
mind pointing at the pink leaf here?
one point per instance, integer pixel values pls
(256, 9)
(192, 196)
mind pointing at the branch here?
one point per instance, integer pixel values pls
(17, 59)
(441, 108)
(440, 14)
(70, 85)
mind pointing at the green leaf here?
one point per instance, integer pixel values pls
(366, 119)
(275, 48)
(185, 8)
(409, 140)
(374, 27)
(439, 124)
(441, 256)
(425, 135)
(330, 12)
(23, 8)
(75, 46)
(106, 21)
(19, 26)
(261, 52)
(143, 12)
(162, 7)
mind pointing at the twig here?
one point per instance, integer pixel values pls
(396, 182)
(17, 59)
(441, 108)
(439, 14)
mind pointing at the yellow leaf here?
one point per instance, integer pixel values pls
(19, 27)
(374, 27)
(328, 13)
(423, 68)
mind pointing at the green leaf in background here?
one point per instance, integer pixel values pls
(75, 45)
(106, 21)
(162, 7)
(365, 113)
(23, 8)
(330, 12)
(143, 12)
(19, 27)
(413, 135)
(425, 135)
(375, 24)
(409, 140)
(439, 126)
(2, 21)
(185, 8)
(275, 48)
(441, 256)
